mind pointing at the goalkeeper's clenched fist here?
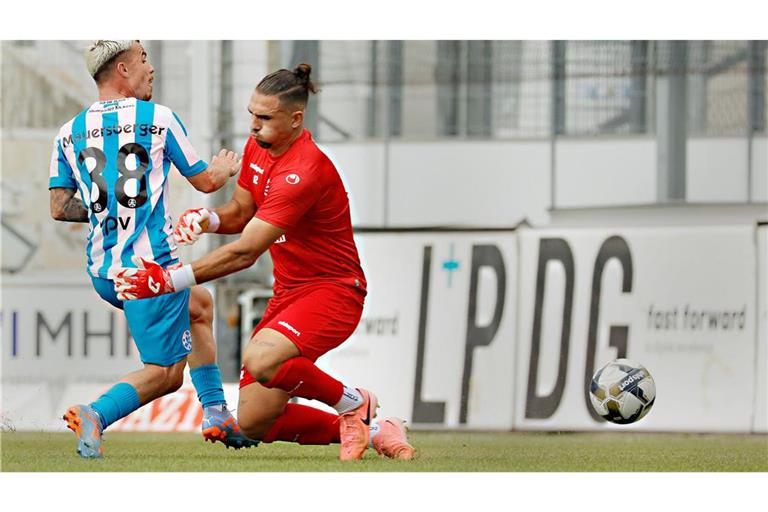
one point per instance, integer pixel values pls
(147, 280)
(194, 223)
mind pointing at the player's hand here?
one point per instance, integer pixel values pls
(147, 280)
(227, 161)
(191, 225)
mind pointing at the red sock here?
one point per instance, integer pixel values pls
(304, 425)
(300, 377)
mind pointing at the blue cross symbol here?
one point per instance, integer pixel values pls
(450, 265)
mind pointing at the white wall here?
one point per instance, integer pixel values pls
(716, 170)
(497, 183)
(361, 166)
(489, 184)
(604, 172)
(468, 183)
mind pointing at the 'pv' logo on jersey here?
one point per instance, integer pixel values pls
(109, 224)
(257, 168)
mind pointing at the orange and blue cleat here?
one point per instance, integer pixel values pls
(84, 422)
(220, 425)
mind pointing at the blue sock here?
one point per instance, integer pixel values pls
(120, 401)
(207, 382)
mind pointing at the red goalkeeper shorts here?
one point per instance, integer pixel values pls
(316, 318)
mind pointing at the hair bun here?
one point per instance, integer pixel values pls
(302, 72)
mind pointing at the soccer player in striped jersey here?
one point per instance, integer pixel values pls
(290, 200)
(109, 168)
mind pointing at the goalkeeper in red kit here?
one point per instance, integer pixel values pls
(290, 200)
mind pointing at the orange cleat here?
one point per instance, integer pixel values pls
(392, 441)
(354, 427)
(222, 426)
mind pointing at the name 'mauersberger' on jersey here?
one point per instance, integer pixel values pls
(118, 154)
(301, 192)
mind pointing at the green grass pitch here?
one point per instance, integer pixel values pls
(437, 452)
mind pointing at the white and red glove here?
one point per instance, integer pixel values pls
(194, 223)
(147, 280)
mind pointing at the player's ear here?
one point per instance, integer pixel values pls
(297, 118)
(121, 68)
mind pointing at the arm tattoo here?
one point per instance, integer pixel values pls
(66, 207)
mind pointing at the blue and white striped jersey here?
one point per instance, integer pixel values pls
(118, 155)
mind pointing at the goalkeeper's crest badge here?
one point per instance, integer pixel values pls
(186, 340)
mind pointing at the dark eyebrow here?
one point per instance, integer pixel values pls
(260, 116)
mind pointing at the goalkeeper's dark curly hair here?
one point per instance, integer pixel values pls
(292, 87)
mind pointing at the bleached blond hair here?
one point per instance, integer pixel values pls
(99, 52)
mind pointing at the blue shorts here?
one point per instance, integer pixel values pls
(159, 326)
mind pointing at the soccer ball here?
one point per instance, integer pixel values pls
(622, 391)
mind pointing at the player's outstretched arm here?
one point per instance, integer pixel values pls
(151, 280)
(228, 219)
(66, 207)
(222, 167)
(238, 255)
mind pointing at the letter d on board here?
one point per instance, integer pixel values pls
(536, 406)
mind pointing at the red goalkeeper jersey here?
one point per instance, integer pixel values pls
(301, 192)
